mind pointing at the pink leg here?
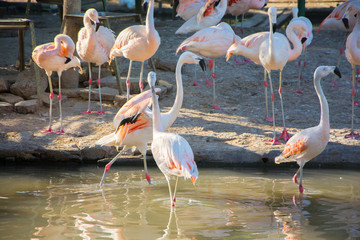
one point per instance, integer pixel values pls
(284, 135)
(352, 134)
(141, 84)
(51, 96)
(108, 166)
(59, 97)
(128, 82)
(267, 118)
(101, 112)
(214, 106)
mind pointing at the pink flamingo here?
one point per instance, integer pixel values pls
(333, 22)
(56, 56)
(133, 123)
(93, 46)
(250, 47)
(171, 152)
(240, 7)
(310, 142)
(309, 37)
(352, 53)
(210, 14)
(137, 43)
(210, 42)
(188, 8)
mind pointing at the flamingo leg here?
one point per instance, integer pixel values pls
(242, 23)
(301, 188)
(128, 82)
(195, 83)
(141, 84)
(108, 166)
(101, 112)
(301, 69)
(147, 176)
(274, 141)
(284, 135)
(352, 134)
(176, 183)
(267, 118)
(171, 198)
(59, 97)
(213, 84)
(90, 81)
(51, 96)
(334, 84)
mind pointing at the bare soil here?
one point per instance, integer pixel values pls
(234, 135)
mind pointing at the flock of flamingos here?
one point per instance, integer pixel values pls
(136, 125)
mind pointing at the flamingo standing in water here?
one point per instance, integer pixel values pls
(210, 42)
(172, 153)
(137, 43)
(56, 56)
(309, 37)
(352, 53)
(133, 123)
(210, 14)
(93, 46)
(310, 142)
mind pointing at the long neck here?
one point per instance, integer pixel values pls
(296, 51)
(87, 24)
(156, 114)
(324, 119)
(149, 22)
(174, 111)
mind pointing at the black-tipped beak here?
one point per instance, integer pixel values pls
(337, 72)
(264, 5)
(346, 22)
(145, 6)
(97, 25)
(274, 27)
(202, 64)
(303, 40)
(67, 60)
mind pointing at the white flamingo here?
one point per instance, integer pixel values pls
(310, 142)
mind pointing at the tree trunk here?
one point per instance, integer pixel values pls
(69, 27)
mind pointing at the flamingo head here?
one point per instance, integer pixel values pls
(151, 80)
(351, 11)
(94, 18)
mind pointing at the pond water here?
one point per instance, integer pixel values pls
(61, 203)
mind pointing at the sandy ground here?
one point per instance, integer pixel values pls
(234, 135)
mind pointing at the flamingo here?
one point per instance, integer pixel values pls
(172, 153)
(56, 56)
(210, 14)
(309, 37)
(310, 142)
(333, 22)
(93, 46)
(133, 124)
(137, 43)
(240, 7)
(210, 42)
(250, 47)
(188, 8)
(352, 53)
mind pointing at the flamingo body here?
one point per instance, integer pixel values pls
(310, 142)
(238, 7)
(188, 8)
(210, 14)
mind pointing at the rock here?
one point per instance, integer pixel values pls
(4, 86)
(29, 106)
(107, 94)
(109, 81)
(10, 98)
(70, 79)
(6, 107)
(168, 85)
(25, 85)
(120, 100)
(69, 92)
(94, 74)
(167, 65)
(134, 85)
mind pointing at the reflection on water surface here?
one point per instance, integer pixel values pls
(224, 204)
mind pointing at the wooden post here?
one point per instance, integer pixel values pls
(21, 57)
(70, 28)
(36, 67)
(138, 6)
(301, 7)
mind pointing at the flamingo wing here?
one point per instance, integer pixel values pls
(294, 149)
(188, 8)
(105, 38)
(128, 36)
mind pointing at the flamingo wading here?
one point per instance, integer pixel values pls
(310, 142)
(133, 123)
(172, 153)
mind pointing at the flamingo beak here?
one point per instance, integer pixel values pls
(303, 40)
(228, 55)
(67, 60)
(274, 27)
(337, 72)
(346, 22)
(193, 179)
(202, 64)
(97, 25)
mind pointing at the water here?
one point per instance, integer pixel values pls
(224, 204)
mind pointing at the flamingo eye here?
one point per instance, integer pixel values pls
(355, 15)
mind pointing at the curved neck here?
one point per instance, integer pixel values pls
(175, 109)
(324, 119)
(87, 23)
(297, 47)
(156, 113)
